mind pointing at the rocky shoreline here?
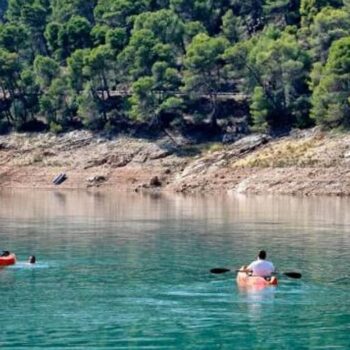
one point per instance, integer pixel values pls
(308, 162)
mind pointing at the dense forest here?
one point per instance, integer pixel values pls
(112, 64)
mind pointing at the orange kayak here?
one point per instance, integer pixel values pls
(246, 280)
(8, 260)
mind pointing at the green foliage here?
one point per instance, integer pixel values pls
(277, 65)
(309, 8)
(119, 13)
(172, 104)
(159, 60)
(13, 37)
(250, 16)
(283, 12)
(330, 100)
(144, 100)
(58, 102)
(204, 74)
(165, 78)
(98, 34)
(209, 13)
(165, 25)
(64, 9)
(229, 26)
(9, 68)
(152, 96)
(75, 34)
(260, 109)
(33, 15)
(139, 56)
(46, 69)
(328, 25)
(76, 69)
(98, 67)
(88, 109)
(191, 29)
(116, 38)
(51, 35)
(55, 128)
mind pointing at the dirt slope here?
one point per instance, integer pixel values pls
(309, 163)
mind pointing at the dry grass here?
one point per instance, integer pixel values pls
(212, 147)
(282, 154)
(203, 149)
(38, 159)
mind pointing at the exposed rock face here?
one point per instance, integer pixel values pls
(308, 162)
(97, 179)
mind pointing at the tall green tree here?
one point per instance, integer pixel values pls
(154, 98)
(99, 67)
(204, 73)
(33, 14)
(10, 69)
(209, 13)
(116, 38)
(90, 109)
(229, 26)
(119, 13)
(14, 37)
(329, 25)
(75, 70)
(143, 50)
(330, 99)
(97, 71)
(75, 34)
(58, 104)
(63, 10)
(46, 69)
(165, 25)
(310, 8)
(274, 69)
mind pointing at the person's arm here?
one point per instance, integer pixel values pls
(246, 269)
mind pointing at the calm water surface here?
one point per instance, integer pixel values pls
(119, 271)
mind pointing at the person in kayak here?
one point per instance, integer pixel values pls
(260, 267)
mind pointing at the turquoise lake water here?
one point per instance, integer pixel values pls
(129, 271)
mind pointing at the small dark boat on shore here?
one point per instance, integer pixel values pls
(60, 178)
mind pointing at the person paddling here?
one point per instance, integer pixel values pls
(260, 267)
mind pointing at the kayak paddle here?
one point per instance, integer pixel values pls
(223, 270)
(291, 274)
(219, 270)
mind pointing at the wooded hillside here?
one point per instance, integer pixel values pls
(113, 64)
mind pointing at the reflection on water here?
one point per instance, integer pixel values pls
(257, 299)
(264, 210)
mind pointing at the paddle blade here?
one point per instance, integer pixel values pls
(292, 274)
(219, 270)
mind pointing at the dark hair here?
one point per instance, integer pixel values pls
(32, 259)
(262, 254)
(5, 253)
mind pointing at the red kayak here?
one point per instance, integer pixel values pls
(8, 260)
(246, 280)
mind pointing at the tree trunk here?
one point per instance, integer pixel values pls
(213, 114)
